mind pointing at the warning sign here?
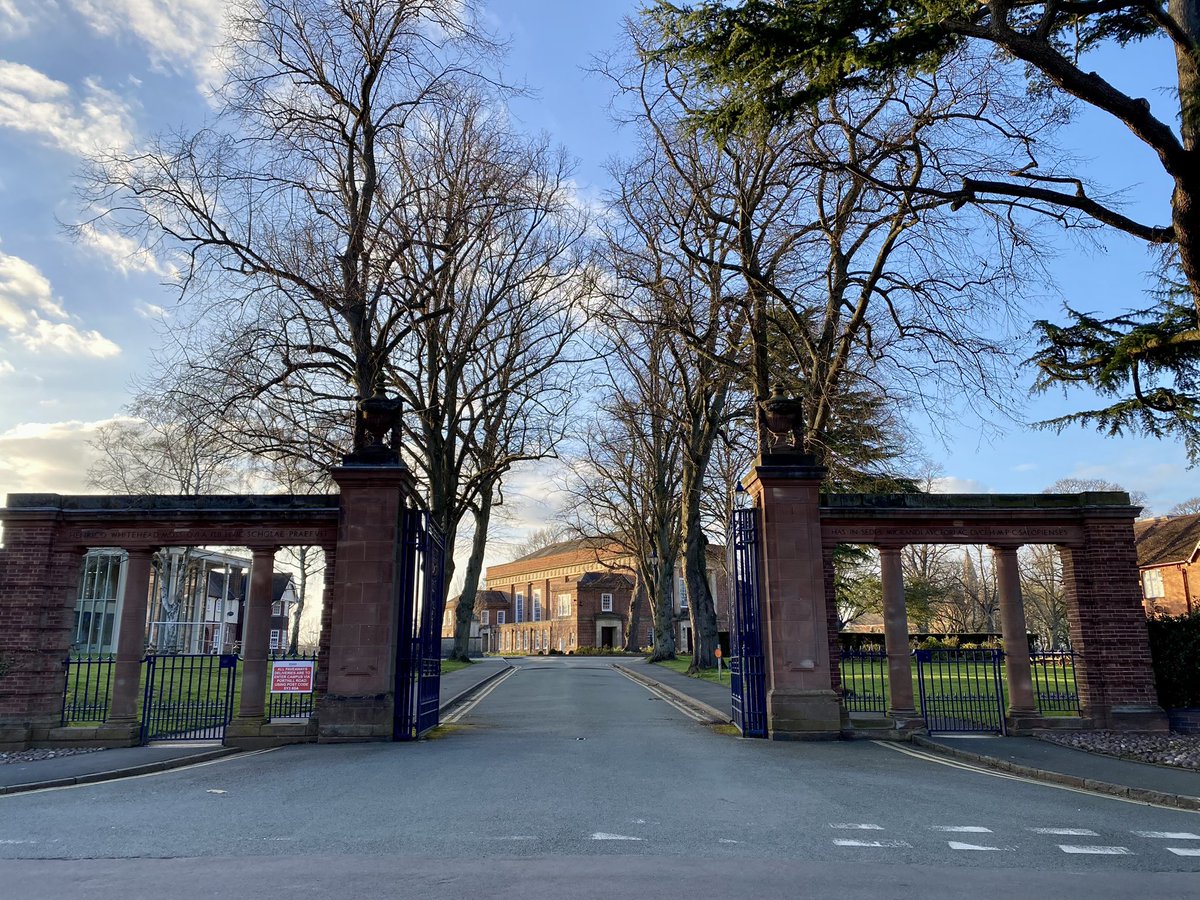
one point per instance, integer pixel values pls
(289, 676)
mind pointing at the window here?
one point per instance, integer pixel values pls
(606, 603)
(519, 602)
(277, 608)
(564, 604)
(650, 637)
(1152, 583)
(536, 602)
(683, 598)
(485, 617)
(537, 643)
(100, 584)
(274, 638)
(499, 617)
(526, 641)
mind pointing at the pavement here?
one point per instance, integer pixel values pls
(125, 762)
(1021, 756)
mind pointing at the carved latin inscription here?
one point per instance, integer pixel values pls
(951, 534)
(184, 536)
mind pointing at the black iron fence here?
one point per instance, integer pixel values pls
(87, 689)
(865, 680)
(188, 696)
(1054, 685)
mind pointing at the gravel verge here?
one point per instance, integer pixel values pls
(1182, 751)
(21, 756)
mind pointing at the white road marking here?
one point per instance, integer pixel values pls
(965, 829)
(980, 770)
(517, 837)
(605, 836)
(1185, 851)
(661, 695)
(959, 845)
(18, 842)
(215, 791)
(458, 714)
(727, 841)
(1070, 832)
(1096, 851)
(1169, 835)
(848, 842)
(856, 826)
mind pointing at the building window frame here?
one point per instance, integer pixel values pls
(606, 603)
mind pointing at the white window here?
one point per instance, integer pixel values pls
(1152, 583)
(650, 637)
(274, 638)
(606, 603)
(500, 617)
(519, 602)
(683, 598)
(485, 617)
(277, 608)
(536, 602)
(537, 644)
(564, 604)
(526, 641)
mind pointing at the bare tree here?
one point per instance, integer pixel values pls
(1044, 594)
(1188, 507)
(625, 482)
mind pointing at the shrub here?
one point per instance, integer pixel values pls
(1175, 650)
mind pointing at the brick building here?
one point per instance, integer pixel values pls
(1168, 558)
(577, 594)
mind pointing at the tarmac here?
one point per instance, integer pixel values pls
(1022, 756)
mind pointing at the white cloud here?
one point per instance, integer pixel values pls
(54, 457)
(6, 368)
(29, 310)
(17, 18)
(151, 311)
(124, 253)
(178, 34)
(34, 103)
(951, 484)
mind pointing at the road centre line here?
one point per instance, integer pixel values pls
(850, 842)
(1185, 851)
(1096, 851)
(1068, 832)
(1169, 835)
(965, 829)
(458, 714)
(959, 845)
(854, 825)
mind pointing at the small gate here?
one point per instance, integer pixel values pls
(746, 676)
(421, 564)
(188, 697)
(962, 690)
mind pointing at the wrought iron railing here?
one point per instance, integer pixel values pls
(865, 680)
(87, 689)
(1054, 684)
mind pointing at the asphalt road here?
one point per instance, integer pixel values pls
(567, 778)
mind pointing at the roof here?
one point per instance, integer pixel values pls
(604, 579)
(571, 546)
(483, 598)
(279, 584)
(1166, 540)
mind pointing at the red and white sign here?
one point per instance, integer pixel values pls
(290, 676)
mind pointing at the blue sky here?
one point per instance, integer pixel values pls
(78, 320)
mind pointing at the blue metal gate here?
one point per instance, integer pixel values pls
(746, 673)
(421, 556)
(962, 690)
(188, 696)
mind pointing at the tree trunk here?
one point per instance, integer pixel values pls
(634, 620)
(664, 619)
(302, 559)
(466, 603)
(1185, 200)
(701, 608)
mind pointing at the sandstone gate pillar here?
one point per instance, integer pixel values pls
(359, 699)
(902, 709)
(798, 640)
(1017, 669)
(1108, 628)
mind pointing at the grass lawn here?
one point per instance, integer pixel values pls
(453, 665)
(680, 664)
